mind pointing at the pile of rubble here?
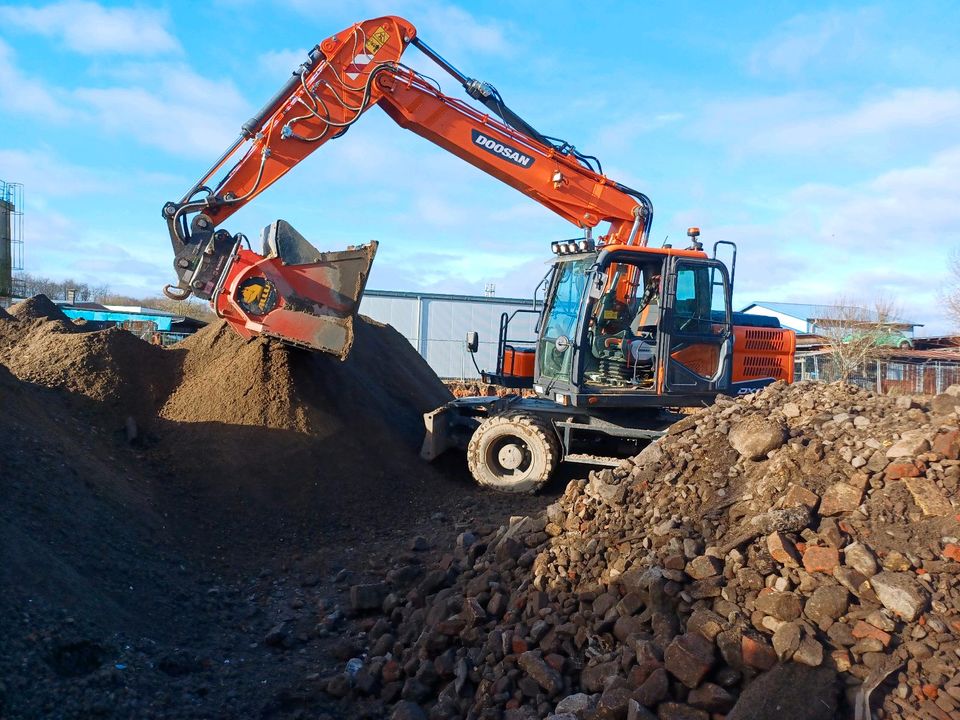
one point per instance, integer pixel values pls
(791, 554)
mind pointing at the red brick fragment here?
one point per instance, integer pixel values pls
(783, 550)
(895, 471)
(952, 552)
(948, 444)
(821, 559)
(391, 671)
(866, 630)
(519, 645)
(757, 654)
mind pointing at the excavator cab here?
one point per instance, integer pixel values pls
(626, 326)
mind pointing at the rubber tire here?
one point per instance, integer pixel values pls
(904, 345)
(542, 450)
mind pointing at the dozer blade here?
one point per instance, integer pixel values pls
(294, 292)
(437, 438)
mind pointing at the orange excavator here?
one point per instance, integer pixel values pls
(624, 331)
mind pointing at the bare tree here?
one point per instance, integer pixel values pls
(84, 292)
(196, 309)
(950, 292)
(60, 289)
(857, 332)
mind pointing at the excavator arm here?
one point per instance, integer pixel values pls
(306, 297)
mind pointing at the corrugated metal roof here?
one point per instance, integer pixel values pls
(128, 309)
(811, 312)
(448, 296)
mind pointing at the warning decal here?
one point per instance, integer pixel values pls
(377, 40)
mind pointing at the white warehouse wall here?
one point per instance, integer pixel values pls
(437, 325)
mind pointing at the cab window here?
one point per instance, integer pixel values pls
(700, 303)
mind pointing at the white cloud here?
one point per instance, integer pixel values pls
(280, 63)
(91, 29)
(805, 123)
(171, 107)
(455, 272)
(830, 37)
(919, 203)
(886, 236)
(735, 122)
(912, 109)
(449, 29)
(43, 174)
(625, 133)
(21, 93)
(464, 31)
(62, 245)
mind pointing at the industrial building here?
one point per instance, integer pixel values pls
(147, 323)
(436, 325)
(810, 319)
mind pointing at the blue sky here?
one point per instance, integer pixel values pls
(823, 139)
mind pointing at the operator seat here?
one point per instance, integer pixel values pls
(647, 320)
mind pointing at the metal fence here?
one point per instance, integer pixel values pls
(897, 377)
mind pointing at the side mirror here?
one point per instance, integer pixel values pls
(562, 343)
(473, 341)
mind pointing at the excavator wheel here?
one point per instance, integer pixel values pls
(513, 453)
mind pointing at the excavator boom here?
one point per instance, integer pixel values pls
(294, 292)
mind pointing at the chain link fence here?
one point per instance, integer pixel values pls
(896, 377)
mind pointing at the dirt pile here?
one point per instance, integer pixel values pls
(307, 436)
(122, 374)
(138, 566)
(796, 550)
(245, 423)
(38, 307)
(86, 564)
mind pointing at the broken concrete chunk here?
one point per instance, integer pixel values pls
(908, 446)
(900, 593)
(754, 437)
(546, 677)
(786, 640)
(826, 604)
(928, 496)
(781, 605)
(840, 499)
(860, 558)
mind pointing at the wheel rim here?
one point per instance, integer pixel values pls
(509, 458)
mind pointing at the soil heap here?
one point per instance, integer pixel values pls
(300, 433)
(793, 554)
(147, 496)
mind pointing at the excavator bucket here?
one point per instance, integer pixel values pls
(294, 292)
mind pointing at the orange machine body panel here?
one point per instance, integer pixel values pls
(518, 362)
(763, 353)
(703, 359)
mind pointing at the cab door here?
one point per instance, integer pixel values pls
(696, 339)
